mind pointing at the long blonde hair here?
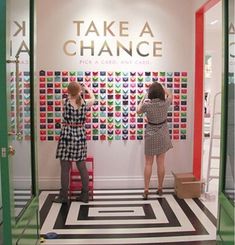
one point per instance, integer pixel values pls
(74, 90)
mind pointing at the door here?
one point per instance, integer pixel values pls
(18, 186)
(199, 85)
(226, 218)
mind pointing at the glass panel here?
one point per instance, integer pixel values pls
(229, 172)
(19, 110)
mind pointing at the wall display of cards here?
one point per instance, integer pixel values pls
(113, 116)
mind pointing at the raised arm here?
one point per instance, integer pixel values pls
(91, 99)
(139, 107)
(168, 94)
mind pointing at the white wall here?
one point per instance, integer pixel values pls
(119, 164)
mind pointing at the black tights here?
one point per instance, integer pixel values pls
(64, 177)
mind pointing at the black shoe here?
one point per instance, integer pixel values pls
(60, 200)
(84, 197)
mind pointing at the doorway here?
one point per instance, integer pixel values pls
(208, 83)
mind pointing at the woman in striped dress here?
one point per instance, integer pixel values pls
(157, 138)
(72, 145)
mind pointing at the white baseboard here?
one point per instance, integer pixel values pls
(22, 183)
(115, 182)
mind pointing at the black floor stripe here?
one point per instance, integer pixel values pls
(206, 211)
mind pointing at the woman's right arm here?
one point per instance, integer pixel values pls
(91, 99)
(168, 94)
(140, 106)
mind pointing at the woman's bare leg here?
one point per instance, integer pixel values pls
(148, 171)
(160, 169)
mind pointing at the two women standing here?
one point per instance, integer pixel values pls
(72, 145)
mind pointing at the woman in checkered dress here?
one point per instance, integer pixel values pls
(72, 145)
(157, 138)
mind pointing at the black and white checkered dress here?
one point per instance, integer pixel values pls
(72, 144)
(157, 137)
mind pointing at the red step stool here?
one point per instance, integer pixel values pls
(75, 182)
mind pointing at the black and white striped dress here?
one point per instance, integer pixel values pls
(157, 137)
(72, 145)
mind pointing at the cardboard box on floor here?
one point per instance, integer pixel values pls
(186, 185)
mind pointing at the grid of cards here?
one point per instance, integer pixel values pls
(117, 93)
(24, 104)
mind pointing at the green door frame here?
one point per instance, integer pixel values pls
(27, 226)
(6, 202)
(226, 219)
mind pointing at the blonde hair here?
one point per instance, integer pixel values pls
(74, 90)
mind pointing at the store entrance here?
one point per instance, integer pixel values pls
(208, 83)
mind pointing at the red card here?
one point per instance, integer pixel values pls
(64, 73)
(117, 131)
(102, 137)
(72, 79)
(176, 79)
(176, 97)
(88, 137)
(133, 79)
(50, 73)
(87, 79)
(88, 131)
(42, 79)
(110, 108)
(42, 97)
(42, 120)
(103, 102)
(88, 120)
(42, 132)
(132, 137)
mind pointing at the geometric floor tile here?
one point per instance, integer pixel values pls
(122, 217)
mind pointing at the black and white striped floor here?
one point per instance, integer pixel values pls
(21, 198)
(122, 217)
